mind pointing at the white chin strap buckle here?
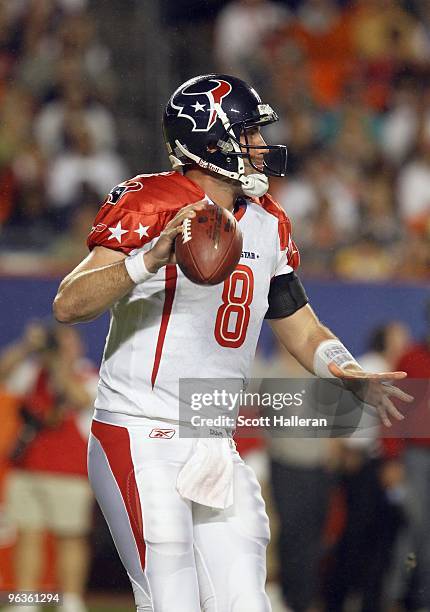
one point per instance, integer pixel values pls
(254, 185)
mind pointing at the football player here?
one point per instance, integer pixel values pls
(188, 551)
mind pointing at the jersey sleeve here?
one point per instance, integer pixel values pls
(288, 258)
(124, 223)
(287, 253)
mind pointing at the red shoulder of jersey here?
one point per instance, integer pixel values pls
(284, 228)
(137, 210)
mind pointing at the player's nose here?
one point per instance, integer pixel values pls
(258, 140)
(258, 153)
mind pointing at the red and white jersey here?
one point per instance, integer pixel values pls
(169, 328)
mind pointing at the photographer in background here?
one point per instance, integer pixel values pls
(47, 488)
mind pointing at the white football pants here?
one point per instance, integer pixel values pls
(180, 556)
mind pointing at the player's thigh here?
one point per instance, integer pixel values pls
(24, 501)
(157, 462)
(117, 496)
(231, 549)
(142, 506)
(168, 528)
(145, 470)
(68, 501)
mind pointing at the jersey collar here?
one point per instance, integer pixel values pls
(240, 207)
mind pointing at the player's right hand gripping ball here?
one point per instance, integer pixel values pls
(210, 246)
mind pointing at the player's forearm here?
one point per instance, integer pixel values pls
(301, 334)
(311, 343)
(304, 351)
(85, 295)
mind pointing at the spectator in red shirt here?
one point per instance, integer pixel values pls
(47, 489)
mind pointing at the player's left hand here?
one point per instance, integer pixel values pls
(374, 389)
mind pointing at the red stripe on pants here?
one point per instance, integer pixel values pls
(115, 442)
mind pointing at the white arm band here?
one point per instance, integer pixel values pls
(136, 268)
(331, 351)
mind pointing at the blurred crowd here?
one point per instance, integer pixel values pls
(58, 135)
(352, 84)
(351, 81)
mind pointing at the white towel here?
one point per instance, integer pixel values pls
(207, 476)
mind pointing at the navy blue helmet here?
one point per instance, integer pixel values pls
(202, 125)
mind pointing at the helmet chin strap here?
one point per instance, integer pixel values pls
(254, 185)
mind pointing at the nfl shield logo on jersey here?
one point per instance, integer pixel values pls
(162, 433)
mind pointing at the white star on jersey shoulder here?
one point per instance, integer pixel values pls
(198, 107)
(142, 231)
(117, 232)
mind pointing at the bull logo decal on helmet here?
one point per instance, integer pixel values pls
(199, 106)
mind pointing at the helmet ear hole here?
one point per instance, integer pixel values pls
(212, 146)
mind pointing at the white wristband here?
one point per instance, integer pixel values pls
(136, 268)
(331, 351)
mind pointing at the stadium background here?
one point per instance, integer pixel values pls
(82, 85)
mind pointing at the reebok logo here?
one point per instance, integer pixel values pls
(162, 433)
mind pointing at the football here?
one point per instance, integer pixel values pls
(210, 246)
